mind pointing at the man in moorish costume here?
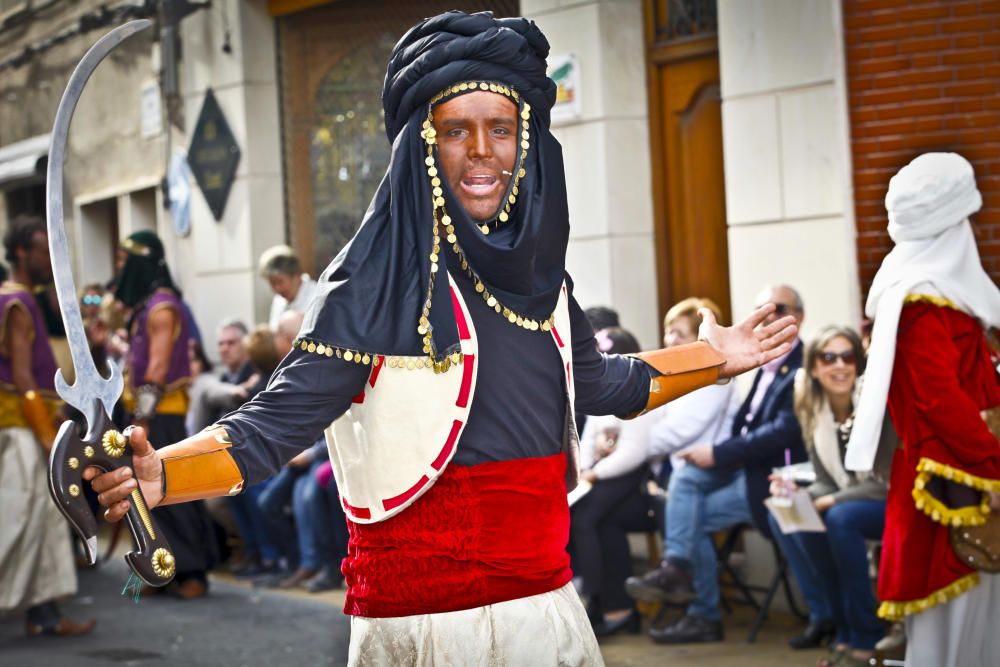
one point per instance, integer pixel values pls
(36, 557)
(447, 350)
(157, 376)
(932, 301)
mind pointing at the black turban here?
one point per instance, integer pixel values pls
(373, 298)
(456, 46)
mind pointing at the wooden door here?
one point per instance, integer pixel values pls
(332, 63)
(686, 142)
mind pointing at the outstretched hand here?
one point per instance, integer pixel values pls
(113, 488)
(748, 344)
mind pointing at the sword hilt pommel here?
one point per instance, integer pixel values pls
(106, 449)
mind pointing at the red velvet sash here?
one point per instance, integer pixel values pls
(481, 535)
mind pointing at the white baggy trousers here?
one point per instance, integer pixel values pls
(964, 632)
(547, 630)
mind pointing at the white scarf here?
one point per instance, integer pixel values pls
(826, 443)
(929, 202)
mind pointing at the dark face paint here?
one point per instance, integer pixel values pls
(477, 137)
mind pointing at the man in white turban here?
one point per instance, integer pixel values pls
(930, 361)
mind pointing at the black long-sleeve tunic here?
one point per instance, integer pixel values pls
(518, 409)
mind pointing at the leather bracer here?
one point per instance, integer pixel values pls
(682, 369)
(200, 467)
(38, 417)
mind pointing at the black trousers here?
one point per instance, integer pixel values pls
(599, 527)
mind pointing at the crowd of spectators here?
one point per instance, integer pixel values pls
(719, 458)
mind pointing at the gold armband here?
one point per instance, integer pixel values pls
(38, 417)
(683, 369)
(200, 467)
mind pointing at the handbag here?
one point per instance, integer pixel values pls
(979, 546)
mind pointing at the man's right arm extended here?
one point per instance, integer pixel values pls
(305, 394)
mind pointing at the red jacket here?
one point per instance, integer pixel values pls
(942, 379)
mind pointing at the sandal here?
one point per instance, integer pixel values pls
(843, 658)
(849, 660)
(833, 660)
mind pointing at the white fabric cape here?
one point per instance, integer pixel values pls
(945, 265)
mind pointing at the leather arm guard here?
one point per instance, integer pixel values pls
(200, 467)
(39, 418)
(682, 369)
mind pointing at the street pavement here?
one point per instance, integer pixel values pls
(234, 625)
(237, 625)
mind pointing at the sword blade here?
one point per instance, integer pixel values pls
(90, 390)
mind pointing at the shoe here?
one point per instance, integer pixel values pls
(688, 630)
(630, 623)
(64, 628)
(298, 578)
(667, 583)
(833, 660)
(253, 568)
(326, 580)
(271, 579)
(189, 589)
(893, 645)
(845, 658)
(815, 635)
(245, 566)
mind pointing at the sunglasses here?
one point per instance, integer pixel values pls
(782, 309)
(91, 299)
(830, 358)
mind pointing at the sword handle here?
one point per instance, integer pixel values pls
(106, 449)
(153, 562)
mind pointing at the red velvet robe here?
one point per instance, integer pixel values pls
(942, 378)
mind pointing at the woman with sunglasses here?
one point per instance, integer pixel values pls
(832, 567)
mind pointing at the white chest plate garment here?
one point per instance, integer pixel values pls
(403, 429)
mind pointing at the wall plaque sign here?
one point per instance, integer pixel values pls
(213, 155)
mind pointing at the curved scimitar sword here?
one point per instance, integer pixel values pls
(91, 394)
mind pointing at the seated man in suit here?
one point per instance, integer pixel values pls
(724, 485)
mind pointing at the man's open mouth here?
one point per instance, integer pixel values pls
(480, 185)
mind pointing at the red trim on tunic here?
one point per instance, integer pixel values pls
(480, 535)
(449, 445)
(463, 326)
(375, 371)
(360, 512)
(469, 364)
(558, 339)
(391, 503)
(360, 398)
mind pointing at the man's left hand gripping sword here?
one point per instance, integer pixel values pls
(91, 394)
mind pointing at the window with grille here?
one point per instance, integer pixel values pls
(333, 61)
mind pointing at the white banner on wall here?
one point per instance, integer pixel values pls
(565, 71)
(152, 118)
